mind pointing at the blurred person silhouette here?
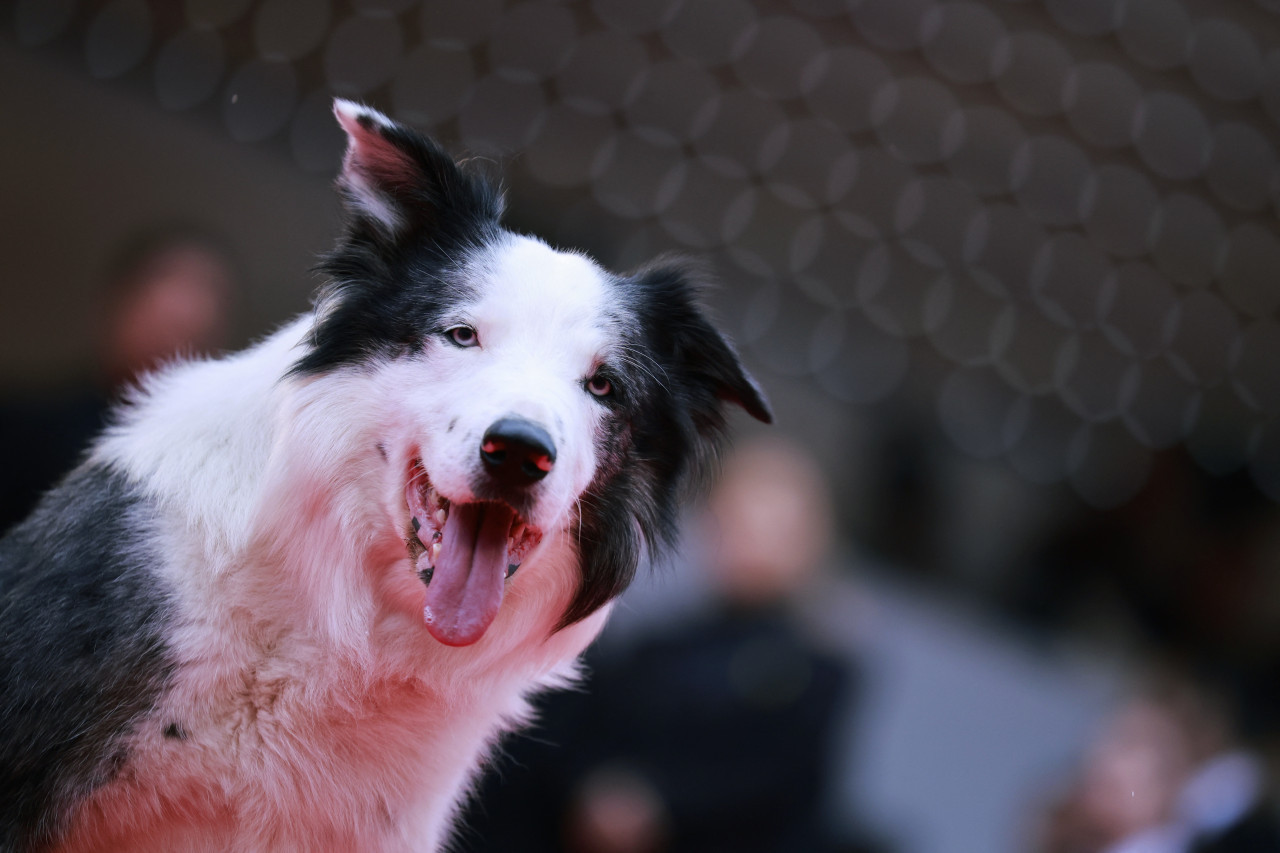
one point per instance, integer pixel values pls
(716, 735)
(1166, 774)
(167, 293)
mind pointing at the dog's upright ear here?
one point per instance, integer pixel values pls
(397, 181)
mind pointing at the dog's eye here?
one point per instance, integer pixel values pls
(463, 336)
(599, 386)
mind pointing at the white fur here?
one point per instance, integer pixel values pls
(319, 713)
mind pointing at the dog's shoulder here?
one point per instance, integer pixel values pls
(81, 650)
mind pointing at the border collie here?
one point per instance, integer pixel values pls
(292, 597)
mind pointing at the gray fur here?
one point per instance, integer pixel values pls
(82, 656)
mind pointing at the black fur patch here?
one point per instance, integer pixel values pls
(82, 656)
(672, 381)
(385, 292)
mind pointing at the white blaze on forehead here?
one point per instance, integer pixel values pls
(531, 292)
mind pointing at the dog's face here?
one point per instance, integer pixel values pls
(535, 392)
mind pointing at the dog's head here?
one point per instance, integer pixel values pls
(537, 394)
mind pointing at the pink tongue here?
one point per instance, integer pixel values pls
(466, 588)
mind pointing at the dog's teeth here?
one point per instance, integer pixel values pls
(435, 552)
(442, 515)
(517, 531)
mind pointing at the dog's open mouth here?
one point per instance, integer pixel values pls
(464, 552)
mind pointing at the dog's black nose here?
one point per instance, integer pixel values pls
(517, 452)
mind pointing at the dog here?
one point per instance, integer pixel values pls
(291, 598)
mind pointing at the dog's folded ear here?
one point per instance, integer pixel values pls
(711, 369)
(399, 181)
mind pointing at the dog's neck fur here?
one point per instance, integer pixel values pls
(381, 703)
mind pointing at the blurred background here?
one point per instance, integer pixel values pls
(1007, 269)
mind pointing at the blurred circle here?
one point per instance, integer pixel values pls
(1225, 59)
(1107, 467)
(640, 178)
(1048, 175)
(1089, 374)
(214, 13)
(711, 32)
(1219, 438)
(992, 138)
(822, 9)
(1158, 405)
(869, 209)
(1085, 17)
(383, 8)
(868, 366)
(892, 288)
(1254, 372)
(532, 41)
(285, 30)
(430, 84)
(960, 320)
(1030, 71)
(1009, 243)
(362, 54)
(1134, 310)
(1239, 164)
(762, 244)
(933, 216)
(1271, 85)
(747, 134)
(847, 87)
(315, 138)
(1025, 348)
(118, 39)
(1249, 270)
(189, 68)
(1039, 441)
(627, 16)
(959, 40)
(817, 167)
(1156, 33)
(259, 99)
(38, 22)
(1067, 280)
(675, 102)
(1190, 240)
(779, 59)
(891, 24)
(568, 146)
(825, 258)
(604, 72)
(1264, 460)
(782, 344)
(918, 119)
(1100, 100)
(460, 24)
(1204, 331)
(501, 116)
(1119, 207)
(1171, 135)
(974, 407)
(696, 217)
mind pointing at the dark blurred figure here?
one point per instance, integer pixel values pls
(714, 737)
(1167, 774)
(167, 294)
